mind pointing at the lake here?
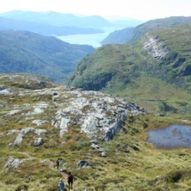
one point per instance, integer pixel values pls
(174, 136)
(88, 39)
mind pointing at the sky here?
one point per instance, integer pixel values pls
(112, 9)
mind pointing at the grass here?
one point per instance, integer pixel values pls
(139, 167)
(131, 163)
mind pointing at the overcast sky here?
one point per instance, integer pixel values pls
(139, 9)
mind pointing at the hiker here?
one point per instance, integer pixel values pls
(57, 163)
(61, 186)
(70, 180)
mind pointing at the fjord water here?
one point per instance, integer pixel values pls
(88, 39)
(174, 136)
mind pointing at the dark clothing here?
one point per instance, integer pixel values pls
(57, 164)
(70, 180)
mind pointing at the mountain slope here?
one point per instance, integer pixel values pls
(33, 53)
(160, 58)
(119, 37)
(48, 131)
(127, 36)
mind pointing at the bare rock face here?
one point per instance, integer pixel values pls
(96, 114)
(155, 47)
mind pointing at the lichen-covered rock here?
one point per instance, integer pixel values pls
(21, 135)
(96, 114)
(38, 142)
(12, 164)
(23, 132)
(39, 122)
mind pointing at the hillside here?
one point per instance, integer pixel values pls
(130, 35)
(102, 140)
(25, 52)
(154, 71)
(119, 37)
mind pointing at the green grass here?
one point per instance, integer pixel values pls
(139, 167)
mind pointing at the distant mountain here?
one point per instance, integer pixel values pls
(119, 37)
(154, 70)
(128, 35)
(44, 29)
(26, 52)
(69, 20)
(58, 19)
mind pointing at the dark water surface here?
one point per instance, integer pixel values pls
(174, 136)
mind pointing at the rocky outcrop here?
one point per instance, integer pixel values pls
(83, 164)
(96, 114)
(155, 47)
(12, 164)
(23, 132)
(38, 108)
(39, 122)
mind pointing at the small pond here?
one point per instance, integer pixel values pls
(174, 136)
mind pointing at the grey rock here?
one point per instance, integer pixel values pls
(38, 108)
(21, 135)
(156, 47)
(103, 154)
(13, 112)
(83, 164)
(38, 142)
(39, 122)
(23, 132)
(97, 115)
(12, 164)
(55, 96)
(95, 146)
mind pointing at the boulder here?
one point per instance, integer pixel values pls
(103, 154)
(12, 164)
(38, 142)
(23, 132)
(39, 122)
(83, 164)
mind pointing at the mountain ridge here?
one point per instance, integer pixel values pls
(47, 56)
(160, 56)
(131, 35)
